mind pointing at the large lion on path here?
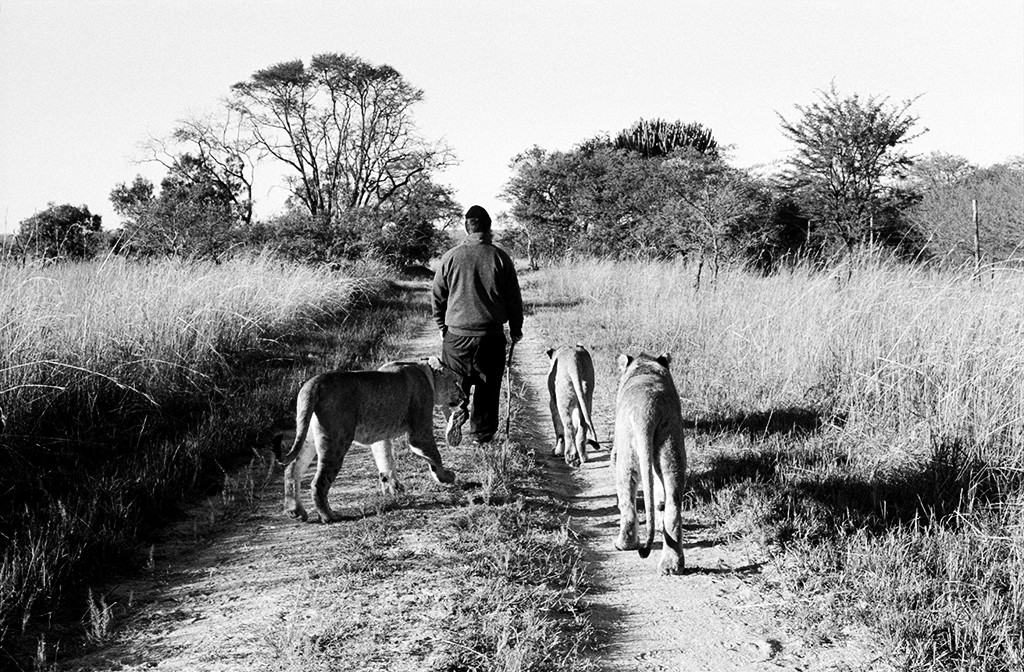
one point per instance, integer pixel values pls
(367, 407)
(648, 451)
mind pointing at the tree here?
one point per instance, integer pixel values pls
(132, 201)
(60, 232)
(624, 202)
(403, 232)
(414, 221)
(541, 195)
(716, 199)
(193, 216)
(947, 186)
(938, 169)
(219, 154)
(343, 127)
(848, 156)
(611, 199)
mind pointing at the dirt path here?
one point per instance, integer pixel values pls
(707, 619)
(246, 595)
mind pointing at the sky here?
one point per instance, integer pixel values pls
(83, 83)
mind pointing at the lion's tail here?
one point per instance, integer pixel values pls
(645, 458)
(581, 399)
(304, 406)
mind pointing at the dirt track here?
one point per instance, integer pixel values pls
(708, 618)
(236, 600)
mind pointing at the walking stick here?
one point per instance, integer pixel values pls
(508, 388)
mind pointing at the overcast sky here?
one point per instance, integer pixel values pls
(82, 83)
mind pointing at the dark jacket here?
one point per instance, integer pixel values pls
(476, 290)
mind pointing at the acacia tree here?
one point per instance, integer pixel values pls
(849, 152)
(343, 127)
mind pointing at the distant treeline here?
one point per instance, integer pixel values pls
(361, 186)
(360, 177)
(665, 190)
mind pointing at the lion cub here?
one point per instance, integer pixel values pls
(571, 394)
(649, 444)
(368, 407)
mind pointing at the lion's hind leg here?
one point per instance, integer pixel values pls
(571, 422)
(293, 474)
(331, 448)
(556, 415)
(579, 433)
(673, 477)
(624, 466)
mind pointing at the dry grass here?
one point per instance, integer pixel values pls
(121, 385)
(868, 424)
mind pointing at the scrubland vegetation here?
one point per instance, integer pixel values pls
(125, 387)
(867, 425)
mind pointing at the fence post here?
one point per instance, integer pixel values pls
(977, 238)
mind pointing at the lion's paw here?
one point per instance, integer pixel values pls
(296, 511)
(626, 543)
(442, 475)
(671, 565)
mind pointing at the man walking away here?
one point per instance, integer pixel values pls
(475, 292)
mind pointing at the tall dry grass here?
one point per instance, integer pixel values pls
(81, 328)
(113, 379)
(867, 422)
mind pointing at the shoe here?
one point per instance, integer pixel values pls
(453, 432)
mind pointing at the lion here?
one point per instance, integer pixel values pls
(571, 394)
(648, 443)
(367, 407)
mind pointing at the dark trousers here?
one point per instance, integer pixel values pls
(480, 360)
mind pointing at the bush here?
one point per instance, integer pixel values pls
(60, 232)
(355, 235)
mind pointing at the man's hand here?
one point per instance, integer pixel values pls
(516, 336)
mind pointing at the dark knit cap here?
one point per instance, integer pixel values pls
(479, 214)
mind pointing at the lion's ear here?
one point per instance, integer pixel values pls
(435, 362)
(624, 361)
(664, 359)
(550, 352)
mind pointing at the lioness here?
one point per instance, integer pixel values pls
(571, 395)
(648, 443)
(368, 407)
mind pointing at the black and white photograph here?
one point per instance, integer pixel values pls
(482, 336)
